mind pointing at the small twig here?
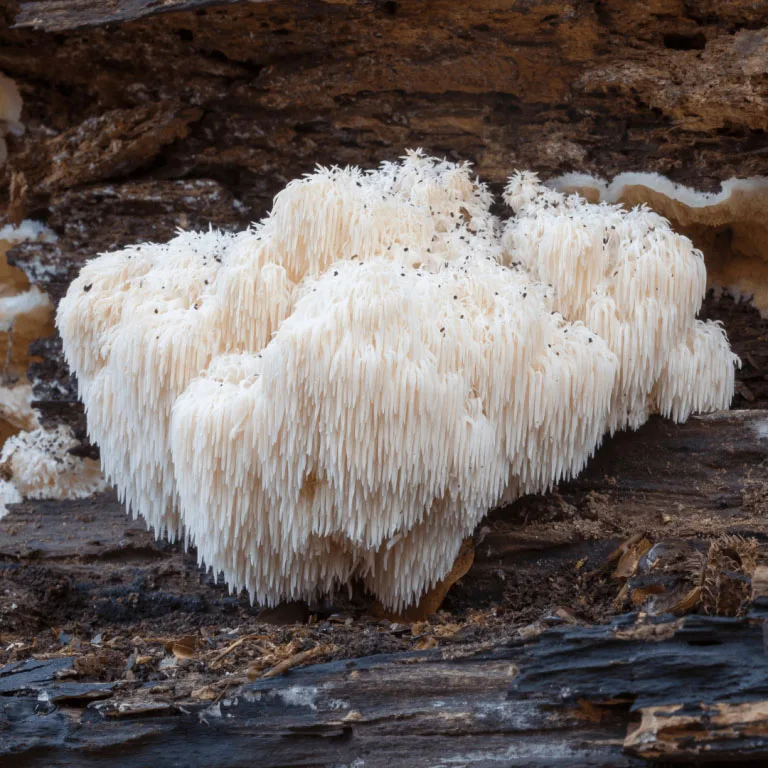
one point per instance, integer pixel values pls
(234, 645)
(231, 683)
(8, 358)
(295, 660)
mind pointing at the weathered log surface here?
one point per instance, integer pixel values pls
(571, 696)
(191, 112)
(515, 671)
(63, 561)
(61, 15)
(142, 117)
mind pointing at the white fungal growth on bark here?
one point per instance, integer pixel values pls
(16, 407)
(37, 465)
(346, 388)
(31, 304)
(9, 494)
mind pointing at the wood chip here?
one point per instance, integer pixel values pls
(184, 647)
(218, 658)
(206, 693)
(630, 558)
(293, 661)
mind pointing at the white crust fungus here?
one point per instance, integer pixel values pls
(19, 300)
(346, 388)
(9, 494)
(16, 407)
(25, 311)
(34, 462)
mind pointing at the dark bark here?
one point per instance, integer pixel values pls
(66, 15)
(143, 117)
(558, 691)
(200, 115)
(64, 561)
(563, 698)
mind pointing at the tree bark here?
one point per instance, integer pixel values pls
(616, 621)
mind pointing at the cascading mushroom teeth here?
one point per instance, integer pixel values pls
(345, 389)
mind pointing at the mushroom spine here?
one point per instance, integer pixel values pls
(344, 389)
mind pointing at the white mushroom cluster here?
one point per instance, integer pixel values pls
(345, 389)
(730, 225)
(35, 462)
(37, 465)
(638, 285)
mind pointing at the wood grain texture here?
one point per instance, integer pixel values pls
(570, 696)
(66, 560)
(560, 691)
(143, 117)
(571, 640)
(66, 15)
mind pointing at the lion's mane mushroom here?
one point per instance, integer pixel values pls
(388, 413)
(730, 226)
(139, 324)
(635, 283)
(346, 388)
(38, 465)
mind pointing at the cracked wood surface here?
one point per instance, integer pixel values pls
(543, 686)
(142, 117)
(570, 696)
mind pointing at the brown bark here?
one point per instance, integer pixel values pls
(142, 117)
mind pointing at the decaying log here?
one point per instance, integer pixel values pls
(143, 117)
(60, 15)
(65, 560)
(616, 621)
(571, 696)
(557, 691)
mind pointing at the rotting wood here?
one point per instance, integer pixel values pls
(142, 117)
(66, 15)
(572, 695)
(558, 691)
(88, 559)
(200, 115)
